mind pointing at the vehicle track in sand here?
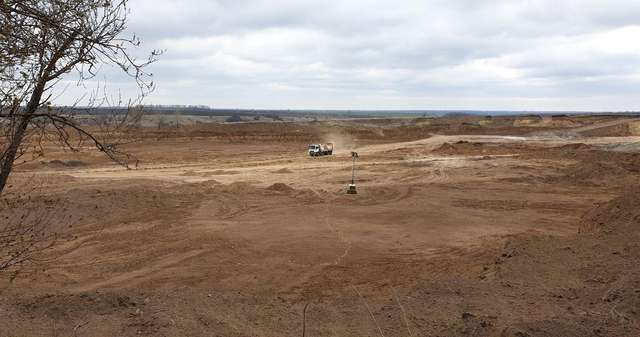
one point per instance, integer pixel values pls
(142, 274)
(340, 236)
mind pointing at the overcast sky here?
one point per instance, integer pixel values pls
(402, 54)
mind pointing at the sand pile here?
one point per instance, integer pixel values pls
(574, 146)
(280, 187)
(283, 171)
(305, 196)
(460, 147)
(66, 163)
(445, 148)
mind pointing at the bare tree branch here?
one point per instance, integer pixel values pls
(41, 41)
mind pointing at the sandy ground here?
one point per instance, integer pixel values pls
(503, 230)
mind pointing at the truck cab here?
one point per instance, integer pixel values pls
(314, 150)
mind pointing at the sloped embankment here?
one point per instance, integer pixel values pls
(587, 283)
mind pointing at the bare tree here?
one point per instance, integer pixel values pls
(41, 41)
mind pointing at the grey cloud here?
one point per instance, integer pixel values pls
(393, 54)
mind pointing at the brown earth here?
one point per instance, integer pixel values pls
(467, 226)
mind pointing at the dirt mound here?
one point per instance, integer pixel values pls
(460, 147)
(280, 187)
(574, 146)
(283, 171)
(66, 163)
(239, 194)
(374, 195)
(446, 148)
(305, 196)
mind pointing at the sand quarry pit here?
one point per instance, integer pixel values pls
(459, 229)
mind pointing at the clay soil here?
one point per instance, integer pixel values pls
(464, 226)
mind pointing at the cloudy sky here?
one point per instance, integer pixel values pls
(402, 54)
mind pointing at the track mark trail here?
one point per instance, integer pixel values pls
(339, 235)
(140, 275)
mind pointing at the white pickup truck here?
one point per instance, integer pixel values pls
(321, 149)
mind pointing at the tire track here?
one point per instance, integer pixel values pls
(339, 234)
